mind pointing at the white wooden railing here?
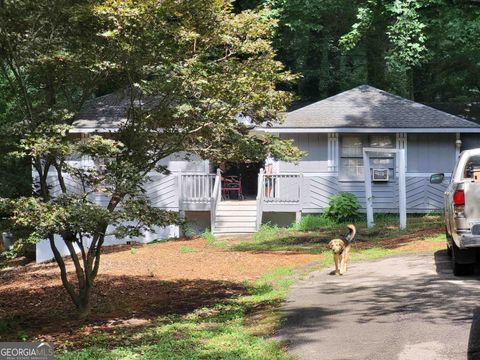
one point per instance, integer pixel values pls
(260, 194)
(282, 188)
(196, 188)
(215, 199)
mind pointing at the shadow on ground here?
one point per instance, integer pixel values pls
(47, 309)
(424, 288)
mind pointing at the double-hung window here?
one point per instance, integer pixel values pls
(351, 155)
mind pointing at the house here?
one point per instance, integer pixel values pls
(334, 132)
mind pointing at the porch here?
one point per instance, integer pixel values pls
(299, 193)
(275, 193)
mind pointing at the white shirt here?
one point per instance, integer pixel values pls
(269, 160)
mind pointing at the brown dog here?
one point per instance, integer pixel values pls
(341, 250)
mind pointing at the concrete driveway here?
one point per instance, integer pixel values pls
(406, 307)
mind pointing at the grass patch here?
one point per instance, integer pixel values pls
(212, 241)
(271, 238)
(224, 331)
(313, 222)
(437, 242)
(266, 232)
(236, 328)
(187, 250)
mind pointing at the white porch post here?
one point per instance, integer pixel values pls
(458, 145)
(402, 191)
(333, 152)
(401, 144)
(368, 188)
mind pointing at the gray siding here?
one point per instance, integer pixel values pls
(470, 141)
(318, 190)
(162, 191)
(316, 145)
(185, 163)
(385, 195)
(430, 153)
(421, 195)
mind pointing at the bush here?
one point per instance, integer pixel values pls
(313, 222)
(342, 207)
(266, 232)
(211, 240)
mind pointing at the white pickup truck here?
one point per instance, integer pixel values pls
(462, 211)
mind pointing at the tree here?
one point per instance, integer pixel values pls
(422, 49)
(200, 66)
(307, 41)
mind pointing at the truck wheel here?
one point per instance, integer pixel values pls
(460, 268)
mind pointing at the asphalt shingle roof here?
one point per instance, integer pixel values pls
(368, 107)
(108, 111)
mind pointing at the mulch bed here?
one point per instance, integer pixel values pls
(175, 277)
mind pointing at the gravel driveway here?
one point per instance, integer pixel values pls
(406, 307)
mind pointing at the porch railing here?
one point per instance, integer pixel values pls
(282, 188)
(260, 195)
(216, 197)
(196, 188)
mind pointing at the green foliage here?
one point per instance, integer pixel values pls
(313, 222)
(307, 42)
(266, 232)
(187, 250)
(187, 69)
(212, 241)
(393, 45)
(342, 207)
(222, 331)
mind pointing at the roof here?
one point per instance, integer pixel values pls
(108, 112)
(366, 107)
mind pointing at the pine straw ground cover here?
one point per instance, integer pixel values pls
(189, 299)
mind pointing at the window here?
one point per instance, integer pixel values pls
(351, 155)
(472, 166)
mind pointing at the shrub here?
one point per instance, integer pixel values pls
(266, 232)
(313, 222)
(342, 207)
(211, 240)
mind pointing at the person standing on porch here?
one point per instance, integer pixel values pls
(269, 181)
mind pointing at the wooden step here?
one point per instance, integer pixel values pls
(236, 218)
(234, 224)
(237, 208)
(236, 213)
(240, 230)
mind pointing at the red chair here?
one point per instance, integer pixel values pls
(232, 184)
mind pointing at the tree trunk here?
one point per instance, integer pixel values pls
(84, 309)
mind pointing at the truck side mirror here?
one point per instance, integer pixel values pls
(437, 178)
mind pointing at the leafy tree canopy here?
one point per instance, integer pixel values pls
(199, 64)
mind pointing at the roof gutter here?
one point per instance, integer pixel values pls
(92, 130)
(369, 130)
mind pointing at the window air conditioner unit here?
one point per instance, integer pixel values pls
(380, 175)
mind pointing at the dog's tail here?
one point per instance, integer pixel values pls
(352, 231)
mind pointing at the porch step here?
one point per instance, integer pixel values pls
(232, 224)
(235, 217)
(236, 213)
(237, 208)
(240, 230)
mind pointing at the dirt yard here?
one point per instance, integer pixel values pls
(136, 282)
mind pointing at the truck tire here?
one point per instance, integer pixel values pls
(460, 268)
